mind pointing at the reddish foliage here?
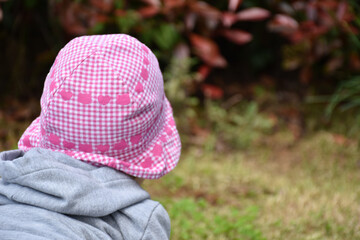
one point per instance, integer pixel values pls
(316, 31)
(103, 5)
(253, 14)
(212, 91)
(321, 17)
(228, 18)
(203, 72)
(120, 12)
(237, 36)
(201, 21)
(234, 4)
(76, 18)
(149, 11)
(308, 25)
(174, 3)
(283, 24)
(207, 50)
(205, 10)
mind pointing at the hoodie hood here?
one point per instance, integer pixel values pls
(59, 183)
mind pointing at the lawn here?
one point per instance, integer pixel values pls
(277, 189)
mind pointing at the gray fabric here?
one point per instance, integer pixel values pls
(49, 195)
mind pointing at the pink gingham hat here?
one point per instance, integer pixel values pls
(104, 103)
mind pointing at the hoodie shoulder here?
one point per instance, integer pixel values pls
(158, 226)
(143, 221)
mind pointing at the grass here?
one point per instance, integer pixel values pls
(275, 190)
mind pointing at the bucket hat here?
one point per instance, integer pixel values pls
(104, 103)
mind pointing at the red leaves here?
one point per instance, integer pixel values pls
(250, 14)
(228, 19)
(77, 19)
(203, 9)
(234, 4)
(148, 12)
(283, 24)
(155, 3)
(207, 50)
(253, 14)
(237, 36)
(203, 72)
(171, 4)
(321, 16)
(212, 91)
(103, 5)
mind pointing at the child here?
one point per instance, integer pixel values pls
(104, 122)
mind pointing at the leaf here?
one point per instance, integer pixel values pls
(148, 12)
(253, 14)
(156, 3)
(181, 51)
(170, 4)
(207, 50)
(286, 8)
(334, 64)
(327, 5)
(311, 12)
(237, 36)
(128, 21)
(103, 5)
(234, 4)
(98, 28)
(101, 18)
(283, 24)
(120, 12)
(190, 20)
(166, 36)
(355, 61)
(77, 19)
(297, 36)
(342, 9)
(228, 18)
(203, 72)
(351, 29)
(212, 91)
(205, 10)
(119, 4)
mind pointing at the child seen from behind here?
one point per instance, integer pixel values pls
(105, 122)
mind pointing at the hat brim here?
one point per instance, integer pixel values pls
(152, 163)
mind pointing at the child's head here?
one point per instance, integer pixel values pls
(104, 103)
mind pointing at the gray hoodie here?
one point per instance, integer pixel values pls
(49, 195)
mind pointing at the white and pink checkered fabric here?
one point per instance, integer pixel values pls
(104, 103)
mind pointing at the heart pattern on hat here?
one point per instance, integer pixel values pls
(104, 103)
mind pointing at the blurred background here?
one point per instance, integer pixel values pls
(266, 96)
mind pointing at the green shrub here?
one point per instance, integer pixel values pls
(236, 127)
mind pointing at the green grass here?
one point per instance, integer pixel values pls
(274, 190)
